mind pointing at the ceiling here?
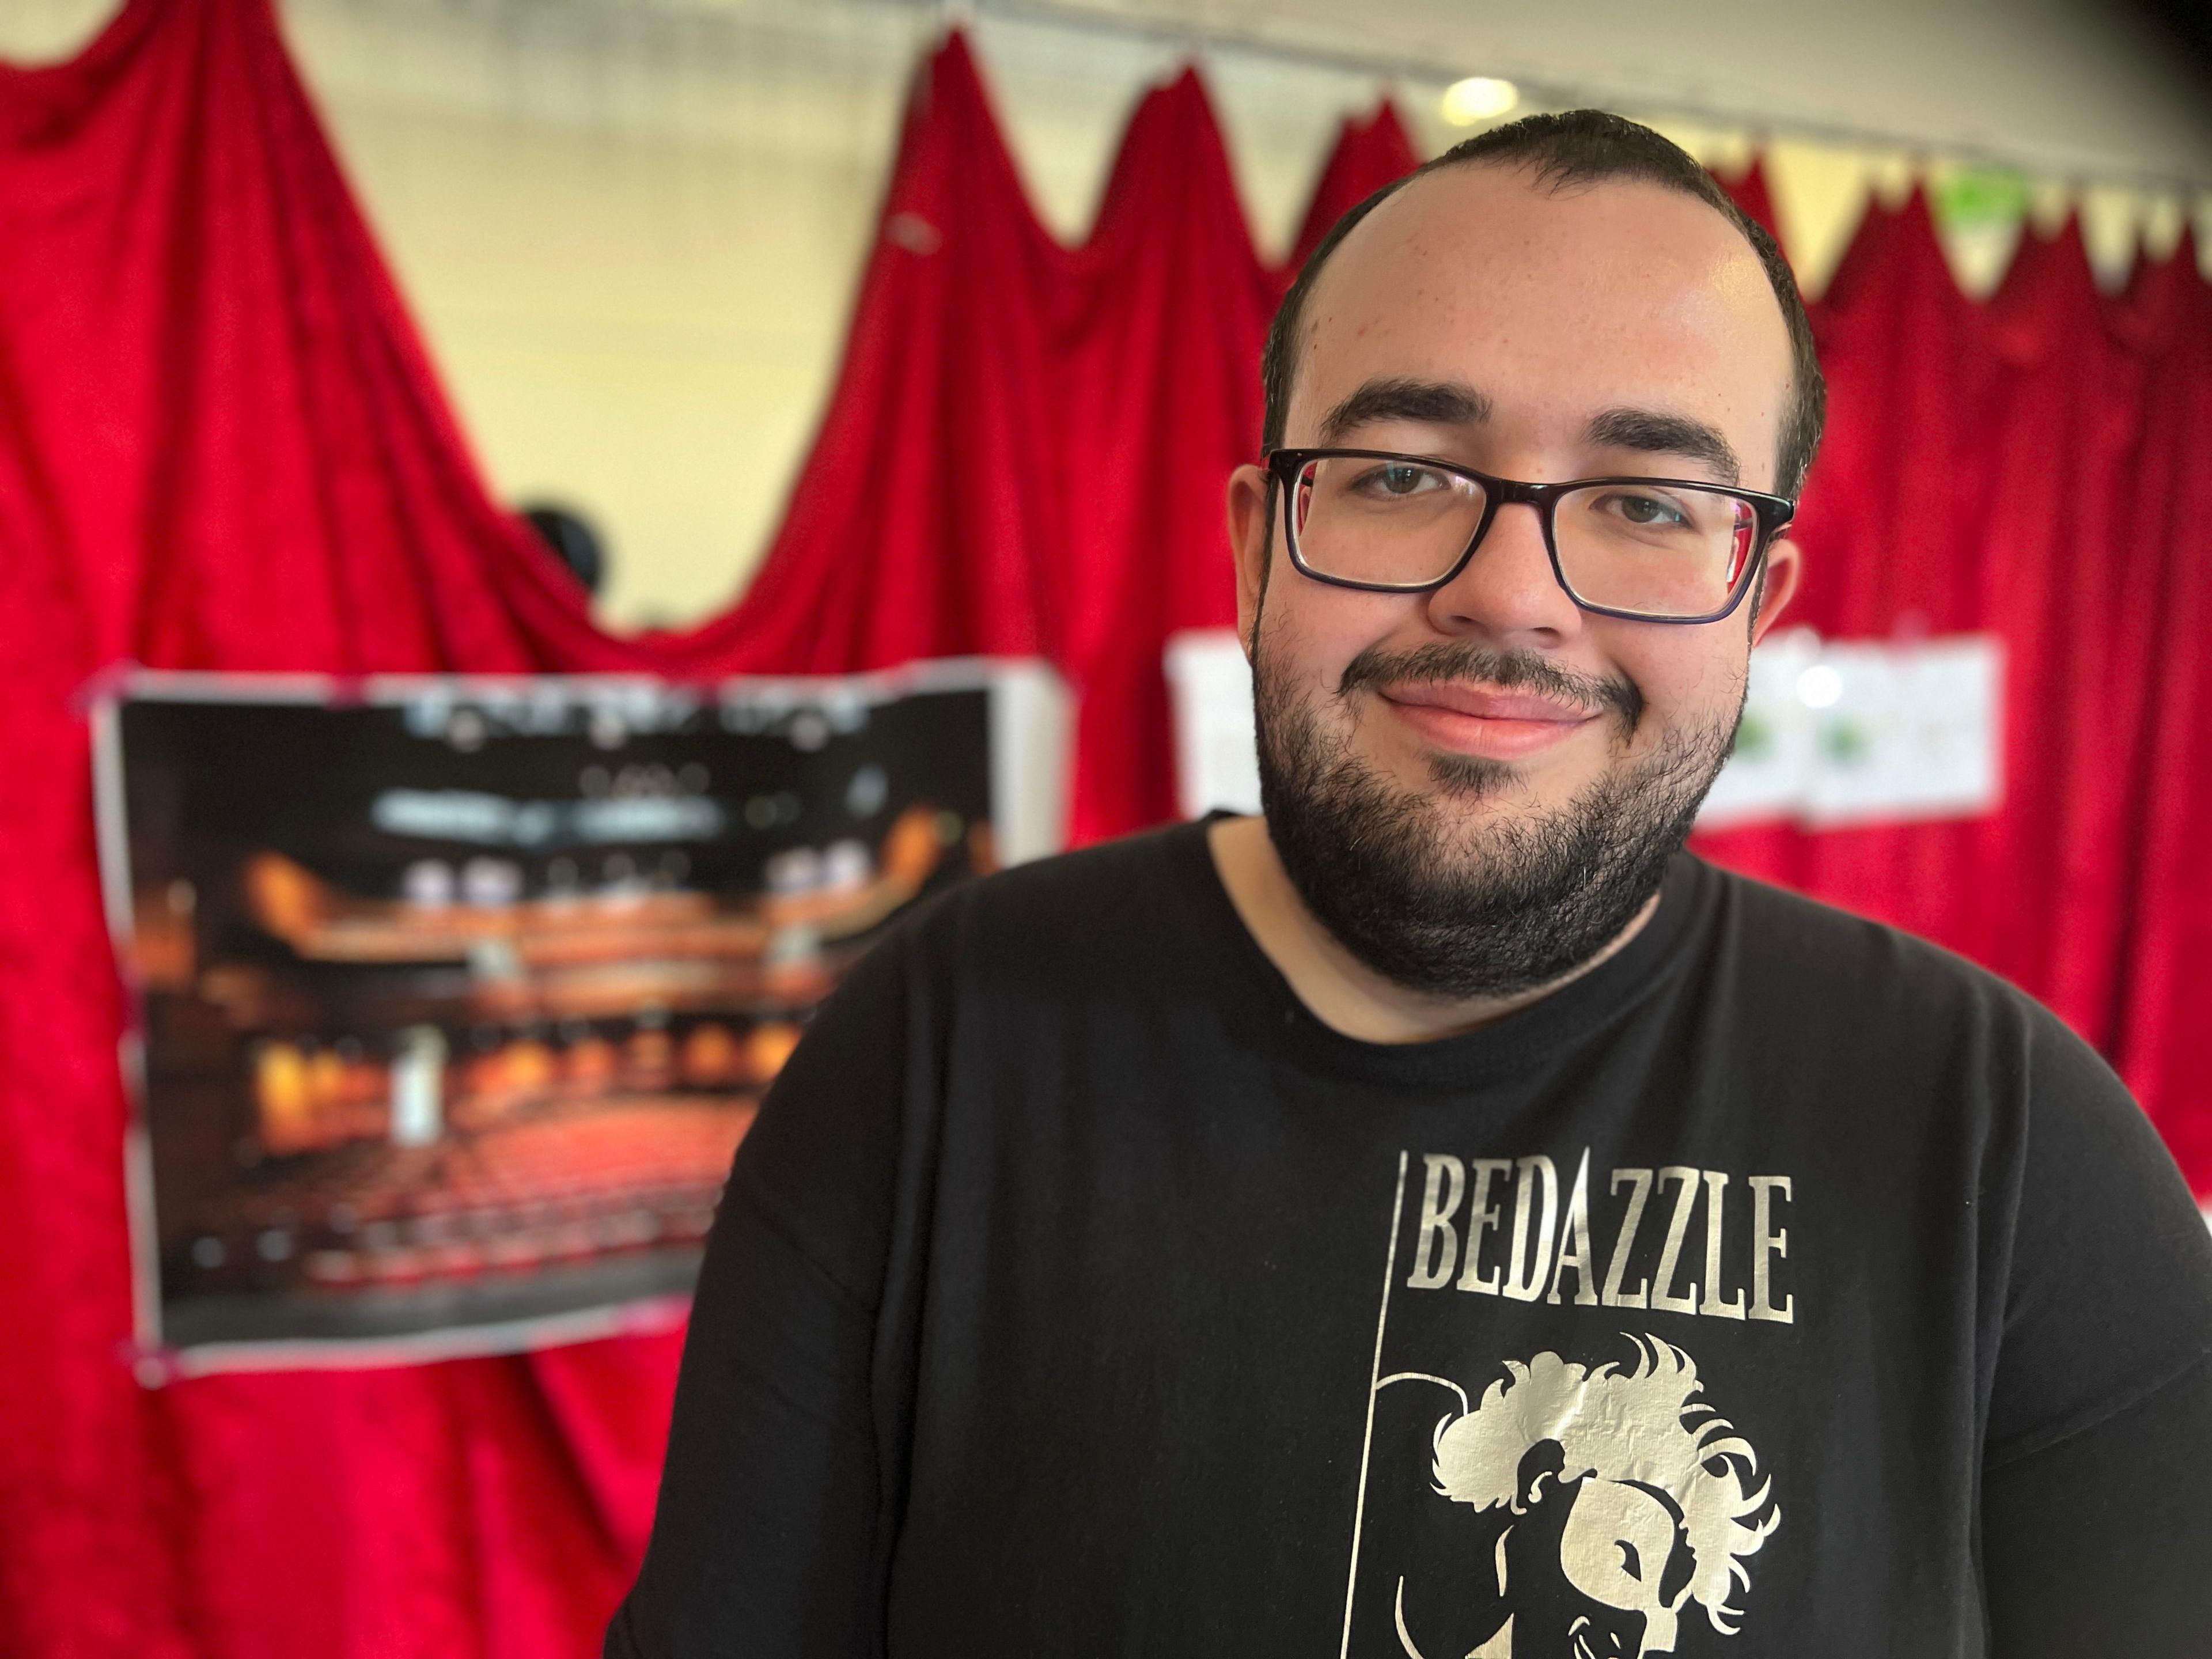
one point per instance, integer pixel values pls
(2117, 91)
(2087, 86)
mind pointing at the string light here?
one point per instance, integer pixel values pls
(1820, 686)
(1477, 98)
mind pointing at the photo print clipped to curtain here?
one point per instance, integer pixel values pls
(458, 995)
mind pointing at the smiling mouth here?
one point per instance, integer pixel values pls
(1470, 719)
(1486, 701)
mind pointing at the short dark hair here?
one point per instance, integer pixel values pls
(1583, 147)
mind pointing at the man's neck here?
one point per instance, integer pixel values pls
(1341, 991)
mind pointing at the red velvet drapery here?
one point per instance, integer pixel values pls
(220, 446)
(2040, 466)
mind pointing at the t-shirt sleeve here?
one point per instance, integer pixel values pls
(768, 1536)
(2101, 1543)
(2097, 1498)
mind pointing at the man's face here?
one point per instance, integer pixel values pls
(1622, 328)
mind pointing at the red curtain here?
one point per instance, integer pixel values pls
(222, 446)
(2040, 466)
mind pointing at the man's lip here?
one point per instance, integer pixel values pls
(1491, 725)
(1477, 703)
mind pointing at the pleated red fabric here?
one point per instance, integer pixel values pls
(2034, 467)
(222, 446)
(1371, 151)
(1749, 192)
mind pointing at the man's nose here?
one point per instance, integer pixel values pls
(1508, 591)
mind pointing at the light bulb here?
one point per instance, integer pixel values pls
(1478, 98)
(1820, 686)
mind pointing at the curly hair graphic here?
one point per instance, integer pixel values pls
(1645, 1426)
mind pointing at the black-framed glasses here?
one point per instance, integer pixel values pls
(1650, 550)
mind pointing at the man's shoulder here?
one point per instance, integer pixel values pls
(1102, 873)
(1779, 930)
(1096, 906)
(1869, 982)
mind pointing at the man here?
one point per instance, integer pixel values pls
(1441, 1217)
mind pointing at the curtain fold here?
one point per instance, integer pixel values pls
(1750, 191)
(222, 446)
(1371, 150)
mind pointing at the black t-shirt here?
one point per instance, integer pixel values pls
(1781, 1286)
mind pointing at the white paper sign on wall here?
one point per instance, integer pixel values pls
(1765, 776)
(1848, 733)
(1913, 733)
(1217, 762)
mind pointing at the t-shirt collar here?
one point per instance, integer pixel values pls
(1576, 1011)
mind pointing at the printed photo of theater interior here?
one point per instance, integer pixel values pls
(458, 998)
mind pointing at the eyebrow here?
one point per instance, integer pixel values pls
(1654, 432)
(1431, 403)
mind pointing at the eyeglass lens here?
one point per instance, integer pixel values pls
(1657, 550)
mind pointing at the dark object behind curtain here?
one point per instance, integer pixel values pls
(574, 540)
(221, 447)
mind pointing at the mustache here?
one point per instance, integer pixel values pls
(1509, 671)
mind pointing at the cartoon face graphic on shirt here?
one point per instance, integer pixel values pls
(1631, 1504)
(1597, 1569)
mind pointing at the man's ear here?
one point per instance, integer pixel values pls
(1777, 585)
(1251, 540)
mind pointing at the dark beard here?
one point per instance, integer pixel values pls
(1499, 910)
